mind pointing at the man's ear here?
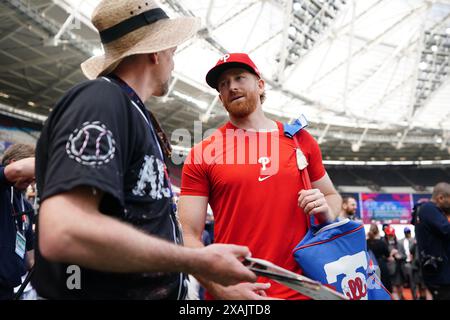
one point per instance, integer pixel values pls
(261, 85)
(154, 58)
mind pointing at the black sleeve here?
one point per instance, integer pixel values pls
(3, 181)
(87, 140)
(436, 220)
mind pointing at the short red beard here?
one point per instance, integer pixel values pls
(241, 109)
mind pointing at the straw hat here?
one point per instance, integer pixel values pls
(129, 27)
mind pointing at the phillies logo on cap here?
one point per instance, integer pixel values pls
(225, 57)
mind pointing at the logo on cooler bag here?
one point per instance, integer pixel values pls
(354, 283)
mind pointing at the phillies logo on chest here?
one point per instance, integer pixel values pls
(264, 161)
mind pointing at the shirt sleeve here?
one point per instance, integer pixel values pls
(3, 181)
(315, 167)
(87, 141)
(438, 222)
(194, 178)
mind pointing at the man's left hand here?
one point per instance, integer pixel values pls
(312, 202)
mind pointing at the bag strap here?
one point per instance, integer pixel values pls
(302, 165)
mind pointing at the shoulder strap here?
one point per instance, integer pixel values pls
(302, 164)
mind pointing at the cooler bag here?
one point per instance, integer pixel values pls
(335, 253)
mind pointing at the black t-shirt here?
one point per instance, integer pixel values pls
(12, 266)
(379, 249)
(96, 136)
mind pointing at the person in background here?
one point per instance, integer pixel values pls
(381, 253)
(421, 292)
(394, 263)
(433, 239)
(406, 246)
(16, 216)
(349, 207)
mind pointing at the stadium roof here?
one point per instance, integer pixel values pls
(371, 76)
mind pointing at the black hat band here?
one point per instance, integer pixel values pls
(131, 24)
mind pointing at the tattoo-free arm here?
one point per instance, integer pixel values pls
(72, 230)
(20, 170)
(334, 200)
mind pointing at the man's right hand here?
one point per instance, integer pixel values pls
(221, 263)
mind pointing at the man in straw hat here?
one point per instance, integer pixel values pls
(247, 171)
(107, 227)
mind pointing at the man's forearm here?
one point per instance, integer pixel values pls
(334, 201)
(21, 169)
(102, 243)
(194, 242)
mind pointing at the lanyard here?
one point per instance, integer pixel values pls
(12, 202)
(23, 215)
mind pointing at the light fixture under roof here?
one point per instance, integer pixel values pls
(355, 147)
(433, 66)
(310, 19)
(423, 65)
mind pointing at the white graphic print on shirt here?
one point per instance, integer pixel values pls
(151, 175)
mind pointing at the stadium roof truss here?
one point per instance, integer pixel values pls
(371, 76)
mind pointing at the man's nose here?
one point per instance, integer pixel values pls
(233, 85)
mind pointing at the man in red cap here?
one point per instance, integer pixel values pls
(247, 171)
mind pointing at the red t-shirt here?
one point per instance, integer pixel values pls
(252, 182)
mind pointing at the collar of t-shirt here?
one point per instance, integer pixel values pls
(229, 125)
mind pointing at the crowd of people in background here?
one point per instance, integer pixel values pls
(398, 262)
(412, 267)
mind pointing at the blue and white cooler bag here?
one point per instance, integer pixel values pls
(336, 255)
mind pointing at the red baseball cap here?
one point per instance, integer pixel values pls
(228, 61)
(389, 231)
